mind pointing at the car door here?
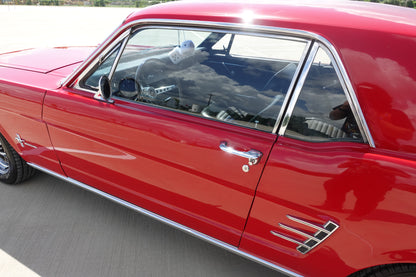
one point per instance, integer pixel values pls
(185, 134)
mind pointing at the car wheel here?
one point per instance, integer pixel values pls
(395, 270)
(13, 169)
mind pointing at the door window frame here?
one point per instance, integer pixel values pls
(313, 40)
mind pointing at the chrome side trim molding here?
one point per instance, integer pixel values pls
(312, 240)
(169, 222)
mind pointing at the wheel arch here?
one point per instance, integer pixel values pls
(10, 139)
(385, 270)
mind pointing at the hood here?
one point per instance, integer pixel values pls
(45, 60)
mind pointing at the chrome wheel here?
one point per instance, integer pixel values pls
(4, 161)
(13, 169)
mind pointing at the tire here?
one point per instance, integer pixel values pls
(13, 169)
(394, 270)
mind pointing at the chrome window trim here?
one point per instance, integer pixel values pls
(298, 88)
(190, 28)
(101, 60)
(72, 80)
(102, 53)
(117, 59)
(291, 87)
(294, 34)
(167, 221)
(350, 94)
(346, 86)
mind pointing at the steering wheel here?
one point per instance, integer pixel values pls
(152, 80)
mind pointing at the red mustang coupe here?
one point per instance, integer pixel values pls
(283, 132)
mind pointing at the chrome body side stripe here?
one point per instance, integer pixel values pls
(187, 230)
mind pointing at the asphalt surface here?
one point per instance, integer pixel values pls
(57, 229)
(51, 228)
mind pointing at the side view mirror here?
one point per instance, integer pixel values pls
(104, 90)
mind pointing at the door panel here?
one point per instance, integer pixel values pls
(158, 144)
(161, 160)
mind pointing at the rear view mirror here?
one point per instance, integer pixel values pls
(104, 90)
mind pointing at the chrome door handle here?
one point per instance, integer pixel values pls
(252, 155)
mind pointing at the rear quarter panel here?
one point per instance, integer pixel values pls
(370, 194)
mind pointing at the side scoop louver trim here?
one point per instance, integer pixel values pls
(312, 240)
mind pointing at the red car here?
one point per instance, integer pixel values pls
(282, 132)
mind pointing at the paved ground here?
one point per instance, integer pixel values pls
(52, 228)
(57, 229)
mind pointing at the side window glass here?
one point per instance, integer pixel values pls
(104, 68)
(266, 48)
(183, 70)
(223, 43)
(322, 112)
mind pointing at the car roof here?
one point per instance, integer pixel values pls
(375, 42)
(348, 14)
